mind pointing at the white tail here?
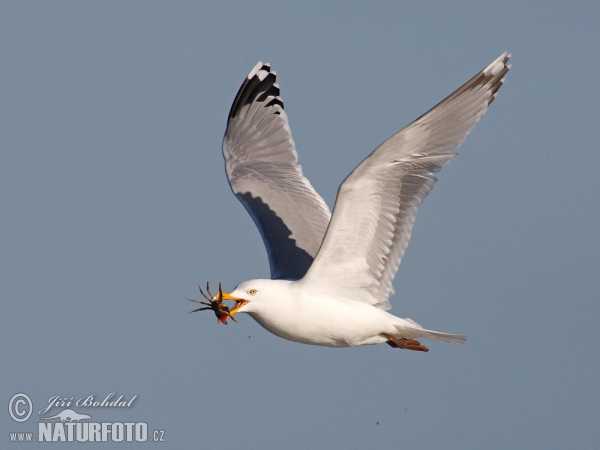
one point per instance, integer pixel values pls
(419, 332)
(444, 337)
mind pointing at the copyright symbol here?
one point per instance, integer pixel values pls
(20, 407)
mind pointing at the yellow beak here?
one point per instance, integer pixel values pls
(239, 302)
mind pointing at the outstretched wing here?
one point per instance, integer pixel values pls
(377, 204)
(263, 171)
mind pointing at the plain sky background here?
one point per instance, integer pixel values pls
(114, 205)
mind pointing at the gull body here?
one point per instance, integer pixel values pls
(331, 274)
(287, 310)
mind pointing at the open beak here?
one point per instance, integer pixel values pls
(239, 302)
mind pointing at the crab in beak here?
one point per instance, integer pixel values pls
(215, 303)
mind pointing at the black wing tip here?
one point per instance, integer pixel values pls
(495, 73)
(258, 86)
(257, 68)
(491, 78)
(498, 64)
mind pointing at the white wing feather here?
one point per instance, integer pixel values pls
(377, 204)
(263, 171)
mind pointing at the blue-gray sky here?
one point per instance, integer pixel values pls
(114, 205)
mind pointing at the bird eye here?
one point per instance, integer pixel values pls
(252, 291)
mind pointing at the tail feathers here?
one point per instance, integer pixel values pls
(444, 337)
(420, 332)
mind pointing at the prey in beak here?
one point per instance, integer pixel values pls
(215, 303)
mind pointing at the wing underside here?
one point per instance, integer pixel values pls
(263, 171)
(377, 204)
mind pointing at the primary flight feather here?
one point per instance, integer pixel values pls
(331, 274)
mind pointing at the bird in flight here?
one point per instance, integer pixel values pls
(332, 273)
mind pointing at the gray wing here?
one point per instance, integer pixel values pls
(263, 171)
(377, 204)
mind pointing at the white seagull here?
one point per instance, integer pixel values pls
(331, 274)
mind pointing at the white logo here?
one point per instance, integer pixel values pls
(20, 407)
(68, 415)
(72, 426)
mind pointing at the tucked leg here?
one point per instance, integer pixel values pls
(407, 344)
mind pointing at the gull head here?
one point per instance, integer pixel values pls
(254, 295)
